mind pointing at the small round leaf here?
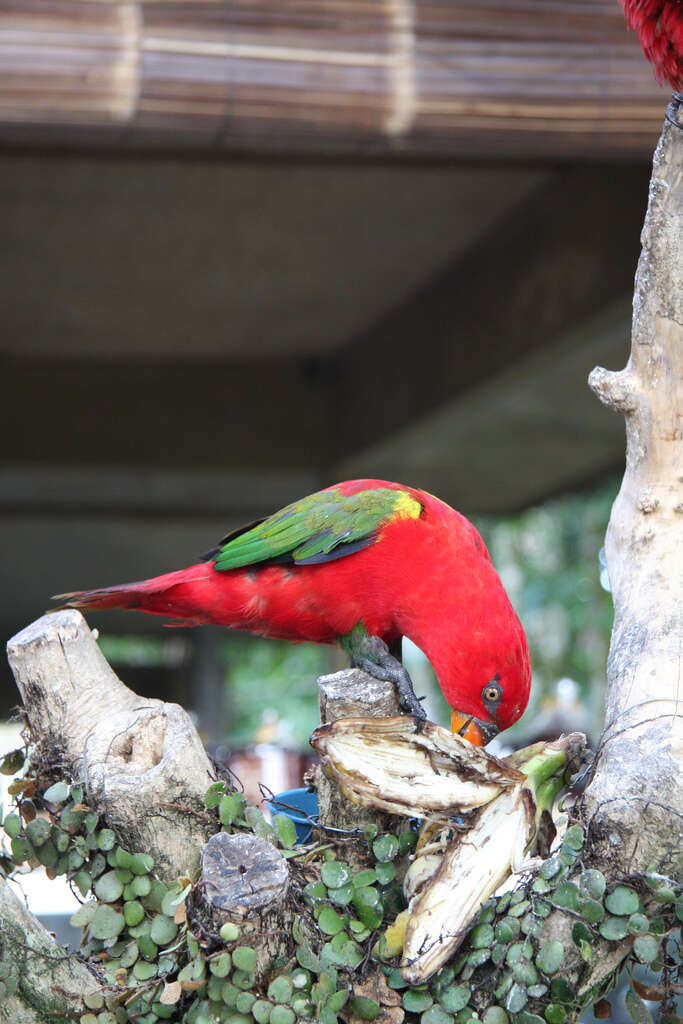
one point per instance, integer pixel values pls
(550, 956)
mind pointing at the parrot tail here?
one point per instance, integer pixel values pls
(173, 594)
(127, 595)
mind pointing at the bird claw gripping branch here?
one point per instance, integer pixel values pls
(371, 654)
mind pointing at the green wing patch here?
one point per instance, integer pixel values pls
(320, 528)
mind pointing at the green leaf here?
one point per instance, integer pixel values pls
(257, 823)
(637, 1008)
(220, 967)
(229, 932)
(496, 1015)
(550, 956)
(519, 909)
(482, 935)
(82, 882)
(386, 872)
(550, 868)
(38, 831)
(12, 825)
(591, 910)
(143, 970)
(646, 948)
(13, 762)
(638, 924)
(341, 896)
(106, 840)
(141, 885)
(566, 895)
(478, 957)
(147, 947)
(364, 878)
(366, 1009)
(366, 896)
(525, 973)
(407, 841)
(108, 887)
(580, 933)
(286, 830)
(21, 850)
(592, 883)
(436, 1015)
(516, 999)
(454, 998)
(213, 795)
(83, 915)
(164, 930)
(416, 1002)
(244, 958)
(260, 1011)
(141, 863)
(329, 921)
(507, 929)
(335, 874)
(173, 899)
(555, 1013)
(107, 923)
(57, 794)
(586, 951)
(385, 847)
(561, 991)
(622, 901)
(574, 837)
(614, 928)
(316, 890)
(395, 979)
(307, 958)
(280, 990)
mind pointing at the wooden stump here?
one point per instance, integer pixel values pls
(245, 881)
(347, 694)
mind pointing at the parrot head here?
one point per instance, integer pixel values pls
(488, 690)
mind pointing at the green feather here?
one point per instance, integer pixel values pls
(321, 527)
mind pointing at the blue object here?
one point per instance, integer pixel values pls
(296, 800)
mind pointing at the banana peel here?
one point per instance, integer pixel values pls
(393, 765)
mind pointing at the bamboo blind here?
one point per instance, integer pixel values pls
(537, 77)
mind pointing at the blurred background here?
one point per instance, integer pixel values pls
(250, 248)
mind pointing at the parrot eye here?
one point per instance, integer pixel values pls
(492, 693)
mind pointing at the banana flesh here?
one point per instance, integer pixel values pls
(392, 765)
(472, 868)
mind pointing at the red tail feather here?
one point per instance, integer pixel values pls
(127, 595)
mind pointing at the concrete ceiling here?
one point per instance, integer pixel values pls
(169, 260)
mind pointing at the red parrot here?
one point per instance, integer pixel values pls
(364, 563)
(659, 24)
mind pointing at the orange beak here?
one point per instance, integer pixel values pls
(472, 729)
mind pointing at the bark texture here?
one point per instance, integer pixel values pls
(632, 809)
(634, 804)
(52, 982)
(142, 762)
(245, 881)
(347, 694)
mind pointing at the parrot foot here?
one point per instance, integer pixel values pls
(673, 109)
(373, 656)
